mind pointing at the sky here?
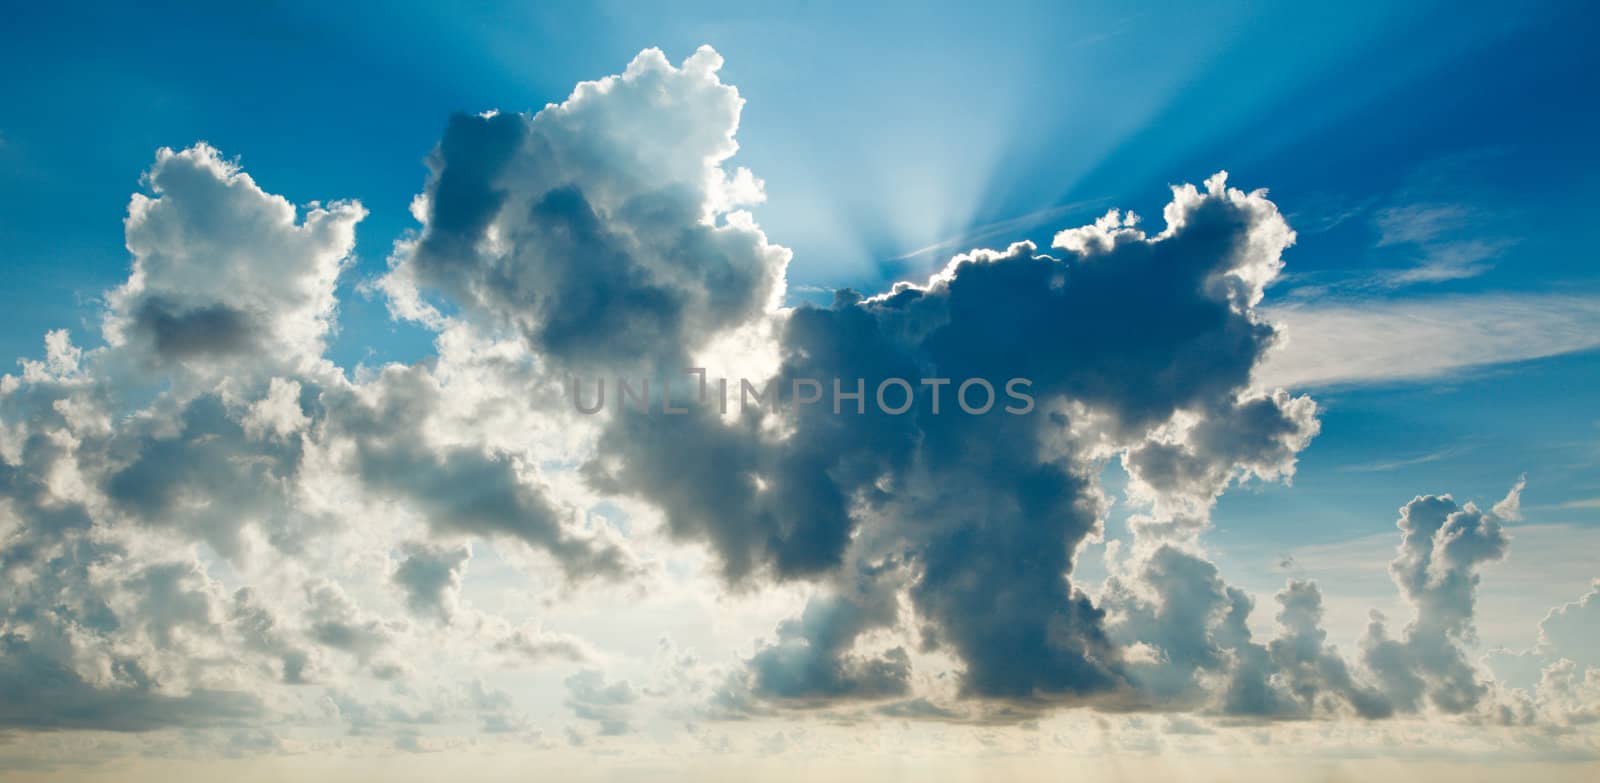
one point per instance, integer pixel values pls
(292, 485)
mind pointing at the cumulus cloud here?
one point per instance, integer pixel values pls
(430, 577)
(603, 228)
(1572, 630)
(473, 489)
(1132, 337)
(337, 622)
(536, 646)
(592, 698)
(206, 522)
(1198, 653)
(1312, 670)
(813, 658)
(1193, 628)
(94, 633)
(1180, 473)
(1436, 569)
(262, 632)
(1559, 673)
(1180, 623)
(224, 272)
(82, 650)
(121, 513)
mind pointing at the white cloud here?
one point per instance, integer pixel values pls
(1336, 342)
(224, 272)
(1418, 223)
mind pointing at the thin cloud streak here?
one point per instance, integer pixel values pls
(990, 230)
(1346, 342)
(1388, 465)
(1586, 504)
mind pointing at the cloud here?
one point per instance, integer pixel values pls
(1311, 669)
(1200, 653)
(1197, 649)
(1448, 240)
(335, 621)
(79, 651)
(44, 695)
(470, 489)
(812, 658)
(1175, 609)
(1568, 638)
(224, 272)
(536, 646)
(430, 577)
(262, 632)
(1385, 466)
(1181, 472)
(1332, 343)
(1418, 223)
(1583, 503)
(607, 704)
(206, 522)
(123, 509)
(603, 228)
(1138, 335)
(194, 468)
(1442, 547)
(1570, 631)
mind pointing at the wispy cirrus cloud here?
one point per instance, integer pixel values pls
(1418, 223)
(1350, 341)
(1383, 466)
(1581, 504)
(988, 231)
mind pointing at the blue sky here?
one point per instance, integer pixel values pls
(1441, 301)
